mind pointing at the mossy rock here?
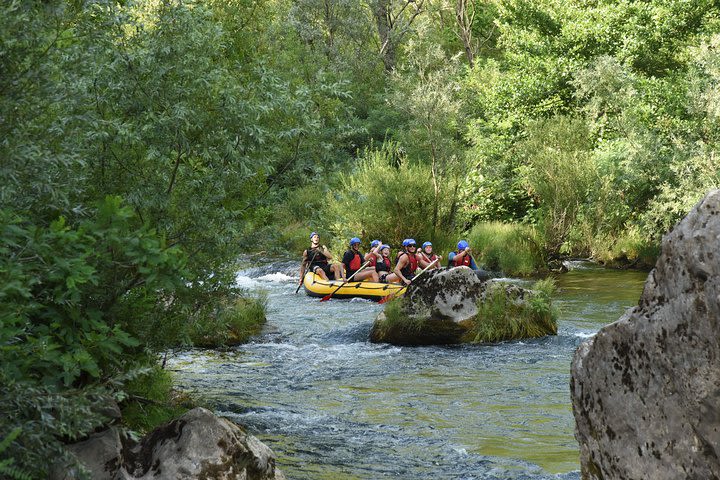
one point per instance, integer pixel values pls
(501, 312)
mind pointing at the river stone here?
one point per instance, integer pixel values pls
(198, 445)
(646, 389)
(450, 294)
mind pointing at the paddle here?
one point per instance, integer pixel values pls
(327, 297)
(390, 297)
(302, 277)
(473, 262)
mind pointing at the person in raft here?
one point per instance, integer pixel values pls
(463, 256)
(383, 266)
(353, 260)
(407, 262)
(426, 256)
(374, 254)
(317, 260)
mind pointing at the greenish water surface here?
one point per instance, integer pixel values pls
(332, 405)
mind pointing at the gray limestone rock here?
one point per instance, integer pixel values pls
(450, 294)
(646, 389)
(441, 308)
(197, 445)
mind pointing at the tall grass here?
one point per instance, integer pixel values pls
(396, 319)
(511, 248)
(152, 401)
(501, 317)
(234, 323)
(389, 199)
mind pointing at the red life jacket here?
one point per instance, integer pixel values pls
(372, 260)
(410, 269)
(356, 262)
(429, 259)
(464, 261)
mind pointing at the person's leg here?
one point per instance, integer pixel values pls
(371, 274)
(319, 272)
(338, 271)
(393, 278)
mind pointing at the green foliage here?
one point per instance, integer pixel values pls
(558, 172)
(510, 248)
(47, 416)
(151, 401)
(229, 126)
(397, 320)
(6, 466)
(68, 289)
(380, 200)
(504, 314)
(231, 323)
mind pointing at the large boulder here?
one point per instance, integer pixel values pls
(198, 445)
(443, 307)
(646, 389)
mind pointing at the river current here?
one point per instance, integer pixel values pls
(334, 406)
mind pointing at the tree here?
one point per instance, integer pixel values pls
(426, 91)
(394, 19)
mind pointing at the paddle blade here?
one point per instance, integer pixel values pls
(326, 297)
(386, 299)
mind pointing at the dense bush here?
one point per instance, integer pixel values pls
(233, 322)
(509, 248)
(503, 316)
(379, 200)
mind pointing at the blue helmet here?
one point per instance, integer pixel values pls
(405, 242)
(451, 256)
(354, 240)
(427, 244)
(374, 243)
(313, 234)
(384, 247)
(462, 245)
(411, 242)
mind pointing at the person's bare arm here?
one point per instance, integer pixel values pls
(401, 264)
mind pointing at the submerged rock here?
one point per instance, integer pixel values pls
(197, 445)
(444, 307)
(646, 389)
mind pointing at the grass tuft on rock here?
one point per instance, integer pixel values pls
(152, 401)
(396, 319)
(232, 324)
(505, 315)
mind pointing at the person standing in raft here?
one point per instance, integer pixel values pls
(353, 260)
(463, 256)
(426, 257)
(317, 260)
(407, 262)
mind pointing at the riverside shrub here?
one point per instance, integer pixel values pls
(502, 317)
(381, 198)
(67, 335)
(511, 248)
(232, 322)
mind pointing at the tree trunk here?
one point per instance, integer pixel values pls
(383, 20)
(465, 19)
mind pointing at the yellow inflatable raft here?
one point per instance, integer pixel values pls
(317, 287)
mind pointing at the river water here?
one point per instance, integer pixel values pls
(334, 406)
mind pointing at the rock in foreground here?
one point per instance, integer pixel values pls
(453, 306)
(195, 446)
(646, 389)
